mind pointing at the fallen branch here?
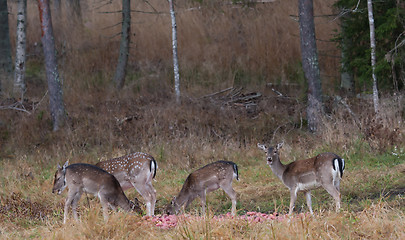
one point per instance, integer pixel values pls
(19, 106)
(14, 107)
(216, 93)
(343, 102)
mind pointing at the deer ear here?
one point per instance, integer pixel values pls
(279, 145)
(59, 167)
(65, 165)
(261, 146)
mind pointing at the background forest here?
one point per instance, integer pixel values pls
(241, 82)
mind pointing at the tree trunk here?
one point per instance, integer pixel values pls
(346, 78)
(175, 58)
(19, 73)
(51, 67)
(346, 75)
(310, 63)
(120, 73)
(373, 56)
(6, 65)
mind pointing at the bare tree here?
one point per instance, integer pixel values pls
(52, 74)
(373, 55)
(19, 73)
(120, 72)
(310, 63)
(175, 58)
(6, 65)
(346, 75)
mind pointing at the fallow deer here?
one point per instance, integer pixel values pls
(80, 178)
(135, 170)
(204, 180)
(324, 170)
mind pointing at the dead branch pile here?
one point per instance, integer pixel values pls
(234, 97)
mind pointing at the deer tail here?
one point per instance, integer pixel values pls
(339, 164)
(153, 167)
(235, 170)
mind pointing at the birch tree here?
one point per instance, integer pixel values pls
(6, 65)
(19, 72)
(310, 63)
(120, 72)
(52, 74)
(373, 55)
(175, 58)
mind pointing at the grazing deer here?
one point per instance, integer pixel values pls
(135, 170)
(81, 177)
(324, 170)
(204, 180)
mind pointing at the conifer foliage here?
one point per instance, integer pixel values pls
(390, 40)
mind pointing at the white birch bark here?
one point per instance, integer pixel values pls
(20, 56)
(373, 56)
(175, 58)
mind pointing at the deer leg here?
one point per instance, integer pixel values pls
(75, 202)
(203, 199)
(332, 190)
(152, 193)
(149, 196)
(104, 203)
(71, 201)
(232, 195)
(309, 201)
(68, 202)
(293, 198)
(189, 200)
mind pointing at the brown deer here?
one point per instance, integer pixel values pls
(135, 170)
(80, 178)
(324, 170)
(204, 180)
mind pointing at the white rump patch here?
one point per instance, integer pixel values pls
(336, 169)
(343, 164)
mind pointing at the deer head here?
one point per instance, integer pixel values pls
(271, 153)
(173, 207)
(59, 183)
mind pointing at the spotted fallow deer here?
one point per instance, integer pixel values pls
(135, 170)
(204, 180)
(324, 170)
(82, 178)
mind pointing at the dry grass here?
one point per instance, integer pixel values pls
(379, 221)
(219, 45)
